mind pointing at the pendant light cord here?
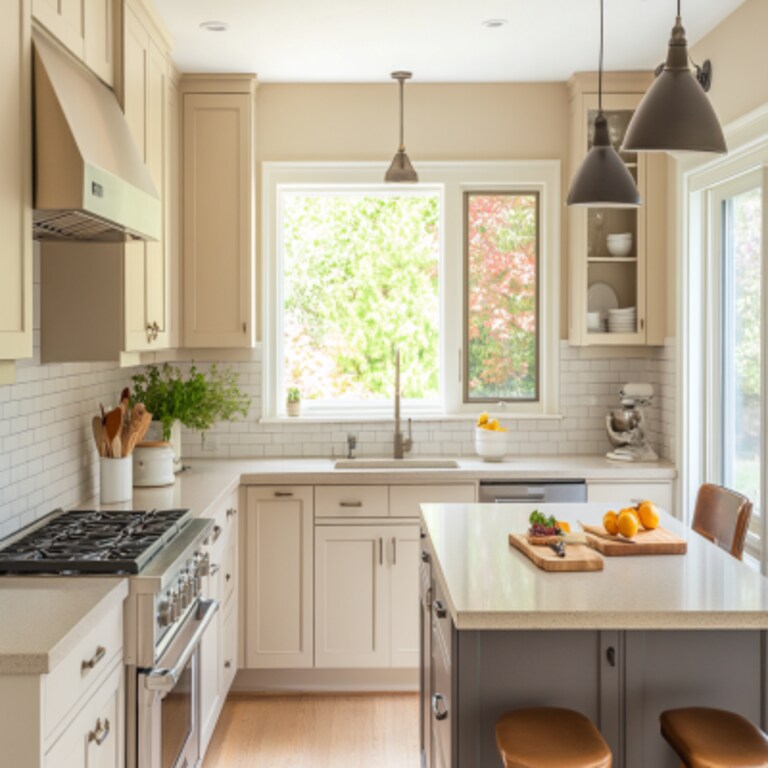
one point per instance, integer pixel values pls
(678, 7)
(600, 69)
(402, 134)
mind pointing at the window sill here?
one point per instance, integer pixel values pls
(461, 417)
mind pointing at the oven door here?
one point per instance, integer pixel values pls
(169, 698)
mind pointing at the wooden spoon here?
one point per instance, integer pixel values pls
(113, 424)
(98, 434)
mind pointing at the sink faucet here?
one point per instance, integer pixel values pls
(402, 444)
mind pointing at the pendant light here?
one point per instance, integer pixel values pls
(401, 169)
(603, 180)
(675, 114)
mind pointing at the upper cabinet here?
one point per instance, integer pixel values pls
(617, 255)
(218, 211)
(15, 187)
(85, 27)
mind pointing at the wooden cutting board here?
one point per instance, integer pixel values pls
(656, 542)
(577, 556)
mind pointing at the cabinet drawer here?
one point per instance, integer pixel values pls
(441, 622)
(441, 700)
(405, 500)
(352, 501)
(85, 665)
(660, 493)
(95, 737)
(228, 643)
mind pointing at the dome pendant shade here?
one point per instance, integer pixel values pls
(401, 170)
(603, 180)
(675, 114)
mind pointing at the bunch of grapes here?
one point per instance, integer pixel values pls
(538, 529)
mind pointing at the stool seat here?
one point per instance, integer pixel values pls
(714, 738)
(544, 737)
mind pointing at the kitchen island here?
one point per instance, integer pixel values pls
(620, 645)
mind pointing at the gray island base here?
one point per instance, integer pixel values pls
(646, 634)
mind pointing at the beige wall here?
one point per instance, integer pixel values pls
(509, 121)
(738, 49)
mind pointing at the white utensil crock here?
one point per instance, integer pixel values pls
(116, 479)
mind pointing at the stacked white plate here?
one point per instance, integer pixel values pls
(622, 320)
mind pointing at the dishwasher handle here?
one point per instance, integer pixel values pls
(524, 493)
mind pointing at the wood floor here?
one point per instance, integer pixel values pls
(360, 731)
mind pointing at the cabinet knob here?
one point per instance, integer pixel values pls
(227, 664)
(439, 708)
(424, 556)
(231, 512)
(610, 655)
(440, 611)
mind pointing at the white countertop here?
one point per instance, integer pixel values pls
(43, 618)
(490, 585)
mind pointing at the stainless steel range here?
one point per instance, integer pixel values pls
(165, 616)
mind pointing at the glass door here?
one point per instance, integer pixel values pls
(738, 417)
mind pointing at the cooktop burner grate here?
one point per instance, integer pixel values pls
(90, 541)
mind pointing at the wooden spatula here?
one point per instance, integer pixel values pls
(113, 424)
(98, 434)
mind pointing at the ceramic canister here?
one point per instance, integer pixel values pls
(153, 464)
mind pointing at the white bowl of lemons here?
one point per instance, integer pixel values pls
(490, 438)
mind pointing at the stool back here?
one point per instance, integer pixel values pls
(722, 516)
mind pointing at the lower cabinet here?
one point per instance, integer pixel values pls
(96, 737)
(218, 647)
(278, 577)
(367, 596)
(660, 493)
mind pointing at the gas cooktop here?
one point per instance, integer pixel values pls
(89, 541)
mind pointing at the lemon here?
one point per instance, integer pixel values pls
(563, 526)
(648, 514)
(628, 525)
(610, 522)
(493, 425)
(483, 418)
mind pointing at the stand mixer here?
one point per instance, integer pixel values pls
(626, 425)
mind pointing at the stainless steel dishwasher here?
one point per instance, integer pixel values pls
(522, 492)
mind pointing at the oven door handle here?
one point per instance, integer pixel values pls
(165, 679)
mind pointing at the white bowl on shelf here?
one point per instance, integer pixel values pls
(593, 321)
(490, 444)
(619, 246)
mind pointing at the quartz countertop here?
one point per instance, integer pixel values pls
(43, 618)
(489, 585)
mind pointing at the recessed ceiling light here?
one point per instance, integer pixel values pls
(494, 23)
(215, 26)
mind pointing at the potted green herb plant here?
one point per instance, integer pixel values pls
(293, 401)
(198, 401)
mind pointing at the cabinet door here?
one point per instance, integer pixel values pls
(228, 644)
(630, 493)
(278, 574)
(352, 597)
(98, 27)
(218, 214)
(15, 185)
(405, 543)
(63, 19)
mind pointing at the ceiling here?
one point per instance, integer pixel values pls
(439, 40)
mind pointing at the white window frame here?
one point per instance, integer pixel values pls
(703, 187)
(451, 180)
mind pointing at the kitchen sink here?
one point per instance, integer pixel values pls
(396, 464)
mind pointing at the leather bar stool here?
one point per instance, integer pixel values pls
(545, 737)
(714, 738)
(722, 516)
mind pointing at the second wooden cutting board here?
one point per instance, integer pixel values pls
(577, 558)
(657, 542)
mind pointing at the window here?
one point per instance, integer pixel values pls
(460, 273)
(502, 295)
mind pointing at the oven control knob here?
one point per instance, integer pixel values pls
(165, 613)
(189, 587)
(177, 607)
(203, 565)
(184, 592)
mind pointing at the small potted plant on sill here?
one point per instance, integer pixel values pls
(293, 401)
(198, 401)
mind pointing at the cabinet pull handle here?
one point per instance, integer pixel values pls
(101, 652)
(228, 577)
(610, 654)
(424, 556)
(216, 533)
(355, 504)
(394, 550)
(214, 569)
(227, 664)
(381, 551)
(231, 512)
(282, 494)
(642, 324)
(440, 712)
(440, 611)
(100, 733)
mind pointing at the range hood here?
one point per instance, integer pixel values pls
(90, 179)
